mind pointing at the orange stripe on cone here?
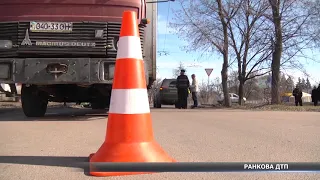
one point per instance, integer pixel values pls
(129, 74)
(121, 126)
(129, 20)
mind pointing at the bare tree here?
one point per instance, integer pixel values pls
(210, 94)
(260, 33)
(252, 90)
(277, 51)
(176, 71)
(217, 86)
(289, 84)
(204, 24)
(283, 84)
(233, 82)
(313, 7)
(292, 34)
(250, 42)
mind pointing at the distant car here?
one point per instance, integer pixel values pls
(167, 94)
(234, 98)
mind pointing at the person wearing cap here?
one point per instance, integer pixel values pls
(183, 87)
(194, 90)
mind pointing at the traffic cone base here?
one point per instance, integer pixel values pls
(103, 174)
(129, 152)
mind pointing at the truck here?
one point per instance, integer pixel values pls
(65, 50)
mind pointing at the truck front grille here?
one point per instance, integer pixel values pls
(81, 32)
(9, 31)
(113, 35)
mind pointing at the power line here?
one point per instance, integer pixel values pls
(163, 53)
(165, 36)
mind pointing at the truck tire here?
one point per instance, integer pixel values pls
(100, 103)
(33, 103)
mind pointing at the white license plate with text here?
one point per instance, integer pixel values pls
(61, 27)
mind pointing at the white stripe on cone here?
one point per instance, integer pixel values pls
(129, 47)
(129, 101)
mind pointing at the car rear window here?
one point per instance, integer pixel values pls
(167, 82)
(173, 84)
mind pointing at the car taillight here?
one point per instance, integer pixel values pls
(162, 88)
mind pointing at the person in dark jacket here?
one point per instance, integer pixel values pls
(297, 93)
(315, 96)
(318, 93)
(183, 90)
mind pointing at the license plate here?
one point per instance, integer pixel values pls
(61, 27)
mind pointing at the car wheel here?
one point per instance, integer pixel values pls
(176, 105)
(157, 103)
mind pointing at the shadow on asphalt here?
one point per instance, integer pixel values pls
(81, 163)
(6, 110)
(56, 114)
(189, 109)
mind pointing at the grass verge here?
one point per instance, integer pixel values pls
(280, 107)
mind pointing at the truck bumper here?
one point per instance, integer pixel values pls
(57, 70)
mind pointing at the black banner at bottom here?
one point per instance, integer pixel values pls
(205, 167)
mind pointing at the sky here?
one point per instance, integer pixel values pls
(168, 41)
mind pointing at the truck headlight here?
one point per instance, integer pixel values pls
(111, 71)
(5, 69)
(5, 44)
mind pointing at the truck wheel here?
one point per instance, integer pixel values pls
(100, 103)
(33, 103)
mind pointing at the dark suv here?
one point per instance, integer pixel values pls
(167, 94)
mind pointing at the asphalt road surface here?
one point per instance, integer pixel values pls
(49, 148)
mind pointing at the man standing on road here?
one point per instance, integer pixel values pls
(315, 96)
(183, 87)
(194, 90)
(297, 93)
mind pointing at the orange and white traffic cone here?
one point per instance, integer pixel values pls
(129, 135)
